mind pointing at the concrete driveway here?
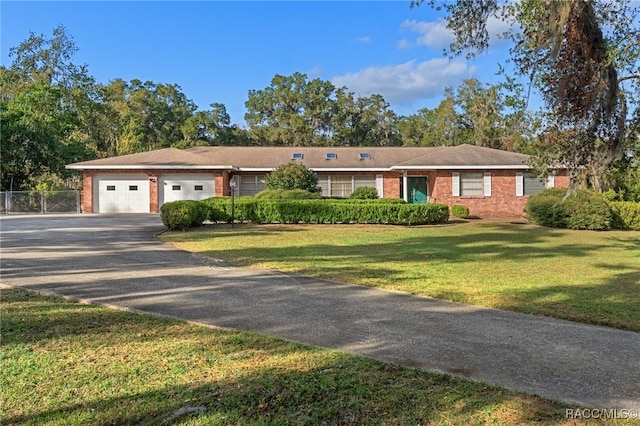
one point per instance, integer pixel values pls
(116, 261)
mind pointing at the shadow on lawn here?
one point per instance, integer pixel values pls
(615, 302)
(340, 389)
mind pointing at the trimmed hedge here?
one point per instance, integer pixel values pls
(626, 214)
(460, 211)
(325, 211)
(183, 214)
(287, 194)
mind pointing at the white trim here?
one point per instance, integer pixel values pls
(519, 184)
(152, 167)
(550, 181)
(455, 184)
(456, 167)
(487, 184)
(380, 185)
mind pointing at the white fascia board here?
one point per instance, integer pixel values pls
(317, 169)
(150, 167)
(350, 169)
(483, 167)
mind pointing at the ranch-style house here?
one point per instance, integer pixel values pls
(490, 182)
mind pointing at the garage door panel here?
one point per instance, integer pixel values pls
(177, 187)
(123, 194)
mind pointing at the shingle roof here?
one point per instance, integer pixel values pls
(166, 158)
(346, 158)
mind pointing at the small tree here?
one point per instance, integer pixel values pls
(293, 176)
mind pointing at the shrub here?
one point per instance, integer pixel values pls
(588, 210)
(293, 176)
(219, 209)
(626, 215)
(183, 214)
(287, 194)
(584, 210)
(364, 193)
(460, 211)
(545, 208)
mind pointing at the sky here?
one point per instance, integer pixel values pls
(218, 51)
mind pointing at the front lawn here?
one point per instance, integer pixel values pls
(585, 276)
(65, 363)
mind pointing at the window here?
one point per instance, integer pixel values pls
(341, 186)
(251, 185)
(111, 187)
(133, 187)
(365, 180)
(532, 184)
(297, 156)
(198, 188)
(471, 184)
(364, 156)
(331, 155)
(175, 187)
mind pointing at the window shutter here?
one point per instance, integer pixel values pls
(380, 186)
(519, 184)
(487, 184)
(550, 182)
(455, 184)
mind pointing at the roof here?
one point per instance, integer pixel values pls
(241, 158)
(167, 158)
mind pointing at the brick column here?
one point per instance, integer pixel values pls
(153, 194)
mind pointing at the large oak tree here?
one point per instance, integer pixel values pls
(583, 56)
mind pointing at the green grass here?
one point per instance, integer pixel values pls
(586, 276)
(65, 363)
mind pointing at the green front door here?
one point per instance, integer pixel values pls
(418, 190)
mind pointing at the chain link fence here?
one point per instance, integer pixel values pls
(39, 202)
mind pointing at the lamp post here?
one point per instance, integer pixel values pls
(232, 186)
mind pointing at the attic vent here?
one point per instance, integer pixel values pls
(364, 156)
(331, 155)
(297, 156)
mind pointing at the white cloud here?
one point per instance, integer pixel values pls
(434, 34)
(406, 83)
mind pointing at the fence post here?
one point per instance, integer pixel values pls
(78, 208)
(43, 201)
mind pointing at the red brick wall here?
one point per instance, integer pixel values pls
(502, 201)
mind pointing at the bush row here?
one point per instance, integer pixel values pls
(326, 211)
(185, 214)
(585, 210)
(626, 215)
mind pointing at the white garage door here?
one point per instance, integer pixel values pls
(186, 186)
(122, 194)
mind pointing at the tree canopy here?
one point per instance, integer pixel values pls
(583, 56)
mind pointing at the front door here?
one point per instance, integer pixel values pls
(418, 190)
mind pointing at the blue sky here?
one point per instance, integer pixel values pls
(217, 51)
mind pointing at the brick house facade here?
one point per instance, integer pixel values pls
(490, 182)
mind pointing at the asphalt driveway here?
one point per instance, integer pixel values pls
(116, 261)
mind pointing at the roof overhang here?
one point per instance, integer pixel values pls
(152, 167)
(465, 167)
